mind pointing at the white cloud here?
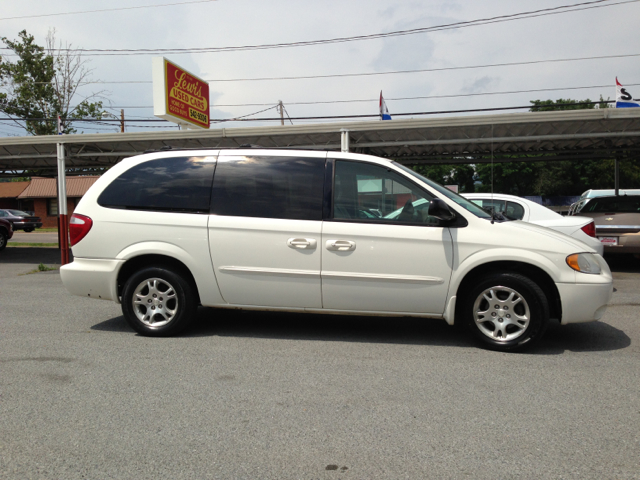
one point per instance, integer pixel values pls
(603, 31)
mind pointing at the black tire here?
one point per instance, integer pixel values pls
(28, 230)
(516, 317)
(166, 302)
(4, 238)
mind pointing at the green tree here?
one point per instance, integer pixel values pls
(567, 104)
(41, 84)
(463, 175)
(514, 178)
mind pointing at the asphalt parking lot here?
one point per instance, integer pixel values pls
(263, 395)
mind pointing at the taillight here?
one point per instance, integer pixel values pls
(590, 229)
(79, 226)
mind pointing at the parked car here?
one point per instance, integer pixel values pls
(617, 220)
(575, 207)
(517, 208)
(21, 220)
(290, 230)
(6, 232)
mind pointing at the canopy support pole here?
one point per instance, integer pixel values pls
(344, 140)
(63, 222)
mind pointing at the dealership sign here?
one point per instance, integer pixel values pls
(179, 96)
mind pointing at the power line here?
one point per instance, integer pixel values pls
(470, 23)
(106, 10)
(327, 117)
(392, 72)
(243, 116)
(393, 99)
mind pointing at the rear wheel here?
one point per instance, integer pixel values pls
(3, 239)
(28, 230)
(506, 311)
(157, 301)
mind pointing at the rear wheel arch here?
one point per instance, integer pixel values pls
(536, 274)
(135, 264)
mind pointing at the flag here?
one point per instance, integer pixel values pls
(384, 111)
(624, 98)
(59, 125)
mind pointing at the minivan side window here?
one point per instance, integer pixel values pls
(370, 193)
(269, 187)
(181, 184)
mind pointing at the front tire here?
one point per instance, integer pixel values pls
(27, 230)
(3, 240)
(506, 311)
(158, 302)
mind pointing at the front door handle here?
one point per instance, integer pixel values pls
(340, 245)
(300, 243)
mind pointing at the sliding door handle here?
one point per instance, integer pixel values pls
(340, 245)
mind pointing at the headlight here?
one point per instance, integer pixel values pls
(584, 263)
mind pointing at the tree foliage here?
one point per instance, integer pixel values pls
(42, 84)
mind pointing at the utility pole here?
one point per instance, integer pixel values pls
(281, 108)
(122, 121)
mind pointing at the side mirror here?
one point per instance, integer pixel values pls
(440, 210)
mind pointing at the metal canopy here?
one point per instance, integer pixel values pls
(558, 135)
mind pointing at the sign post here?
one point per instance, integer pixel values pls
(179, 96)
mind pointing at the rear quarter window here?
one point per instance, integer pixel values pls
(180, 184)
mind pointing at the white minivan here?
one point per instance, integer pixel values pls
(321, 232)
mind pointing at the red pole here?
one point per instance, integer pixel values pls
(64, 239)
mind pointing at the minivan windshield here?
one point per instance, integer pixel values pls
(463, 202)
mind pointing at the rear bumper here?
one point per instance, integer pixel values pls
(583, 302)
(23, 225)
(627, 242)
(94, 278)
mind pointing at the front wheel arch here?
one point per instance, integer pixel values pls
(536, 274)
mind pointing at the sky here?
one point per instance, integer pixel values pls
(461, 67)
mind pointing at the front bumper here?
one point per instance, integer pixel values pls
(584, 302)
(90, 277)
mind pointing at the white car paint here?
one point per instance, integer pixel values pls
(541, 215)
(324, 266)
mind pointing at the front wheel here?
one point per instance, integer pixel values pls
(28, 230)
(157, 301)
(3, 240)
(506, 311)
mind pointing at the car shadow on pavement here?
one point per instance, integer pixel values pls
(581, 337)
(294, 326)
(31, 255)
(623, 263)
(586, 337)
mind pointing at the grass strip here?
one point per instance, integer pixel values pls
(24, 244)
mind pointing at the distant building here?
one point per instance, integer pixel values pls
(40, 195)
(9, 192)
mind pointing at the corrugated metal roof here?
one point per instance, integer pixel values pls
(12, 189)
(46, 187)
(559, 135)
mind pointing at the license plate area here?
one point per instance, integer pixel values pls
(609, 241)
